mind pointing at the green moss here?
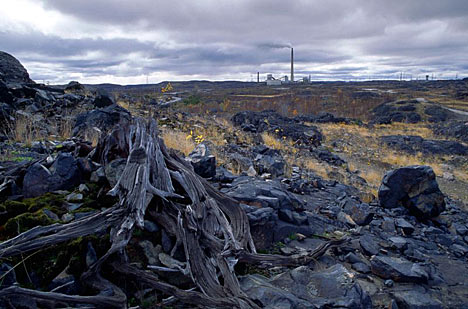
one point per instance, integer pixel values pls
(26, 221)
(13, 208)
(53, 202)
(293, 236)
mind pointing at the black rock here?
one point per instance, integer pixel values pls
(271, 164)
(324, 117)
(353, 258)
(12, 71)
(399, 111)
(292, 217)
(301, 287)
(437, 113)
(36, 180)
(5, 94)
(359, 212)
(203, 162)
(398, 269)
(453, 129)
(279, 126)
(104, 119)
(74, 86)
(369, 245)
(103, 99)
(329, 157)
(407, 227)
(64, 174)
(224, 176)
(415, 188)
(361, 267)
(416, 300)
(413, 144)
(262, 193)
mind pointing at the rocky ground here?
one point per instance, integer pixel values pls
(405, 238)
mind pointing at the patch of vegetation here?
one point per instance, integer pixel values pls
(192, 100)
(25, 222)
(293, 236)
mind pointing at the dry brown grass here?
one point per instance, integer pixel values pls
(373, 177)
(177, 140)
(24, 130)
(363, 144)
(398, 159)
(272, 142)
(336, 130)
(461, 174)
(63, 127)
(317, 167)
(285, 145)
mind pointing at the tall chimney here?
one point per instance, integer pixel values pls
(292, 65)
(258, 77)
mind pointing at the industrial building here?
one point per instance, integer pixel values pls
(272, 81)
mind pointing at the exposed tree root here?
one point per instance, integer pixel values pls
(211, 228)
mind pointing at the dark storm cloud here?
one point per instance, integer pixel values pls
(216, 37)
(55, 46)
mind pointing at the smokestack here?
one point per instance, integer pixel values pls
(292, 65)
(258, 77)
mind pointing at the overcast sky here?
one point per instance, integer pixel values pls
(128, 41)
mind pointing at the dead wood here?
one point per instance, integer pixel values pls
(210, 228)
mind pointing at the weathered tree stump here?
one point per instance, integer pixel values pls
(211, 228)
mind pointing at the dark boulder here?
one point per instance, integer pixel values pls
(36, 180)
(12, 71)
(413, 144)
(269, 161)
(413, 117)
(260, 193)
(203, 162)
(416, 300)
(64, 174)
(5, 94)
(412, 187)
(436, 113)
(359, 212)
(333, 287)
(453, 129)
(104, 119)
(324, 117)
(369, 245)
(399, 111)
(398, 269)
(103, 99)
(74, 86)
(323, 154)
(279, 126)
(404, 225)
(407, 108)
(444, 147)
